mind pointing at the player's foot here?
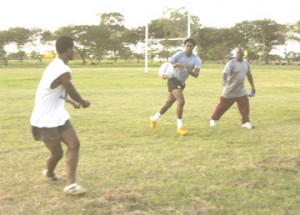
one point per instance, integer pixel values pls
(153, 123)
(74, 189)
(182, 131)
(54, 178)
(248, 125)
(213, 123)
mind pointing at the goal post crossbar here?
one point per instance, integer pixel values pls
(171, 39)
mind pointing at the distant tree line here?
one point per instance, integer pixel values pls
(112, 39)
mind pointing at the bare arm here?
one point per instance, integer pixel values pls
(251, 82)
(75, 104)
(224, 78)
(66, 81)
(193, 72)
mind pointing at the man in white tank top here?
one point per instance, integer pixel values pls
(50, 121)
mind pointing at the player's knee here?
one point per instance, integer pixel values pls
(181, 102)
(75, 145)
(169, 103)
(57, 155)
(48, 139)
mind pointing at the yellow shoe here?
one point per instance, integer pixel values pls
(153, 123)
(182, 131)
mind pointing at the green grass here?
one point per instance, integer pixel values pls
(129, 169)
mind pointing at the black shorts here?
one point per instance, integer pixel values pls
(43, 134)
(174, 84)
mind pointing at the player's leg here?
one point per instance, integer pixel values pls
(52, 142)
(169, 102)
(172, 84)
(223, 105)
(69, 137)
(243, 106)
(179, 97)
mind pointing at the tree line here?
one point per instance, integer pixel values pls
(111, 39)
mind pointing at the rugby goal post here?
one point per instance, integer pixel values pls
(147, 39)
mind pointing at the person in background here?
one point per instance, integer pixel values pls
(234, 74)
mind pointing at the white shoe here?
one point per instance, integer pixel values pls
(74, 189)
(213, 123)
(54, 178)
(247, 125)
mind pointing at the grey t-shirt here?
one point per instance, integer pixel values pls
(236, 71)
(193, 62)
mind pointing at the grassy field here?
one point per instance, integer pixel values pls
(129, 169)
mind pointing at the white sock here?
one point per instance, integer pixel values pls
(179, 123)
(156, 116)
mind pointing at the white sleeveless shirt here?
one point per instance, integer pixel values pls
(49, 109)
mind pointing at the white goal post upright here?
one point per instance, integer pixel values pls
(146, 48)
(147, 39)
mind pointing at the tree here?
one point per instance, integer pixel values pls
(179, 19)
(89, 40)
(295, 30)
(99, 40)
(4, 40)
(38, 37)
(217, 43)
(263, 35)
(114, 22)
(131, 39)
(125, 53)
(172, 25)
(133, 36)
(294, 35)
(20, 36)
(160, 29)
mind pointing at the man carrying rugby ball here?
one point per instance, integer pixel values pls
(185, 63)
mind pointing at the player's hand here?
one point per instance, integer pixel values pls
(252, 93)
(85, 103)
(76, 105)
(176, 65)
(187, 69)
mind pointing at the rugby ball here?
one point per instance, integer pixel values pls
(165, 70)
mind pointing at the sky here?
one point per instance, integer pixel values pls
(53, 14)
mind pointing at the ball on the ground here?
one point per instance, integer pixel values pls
(165, 70)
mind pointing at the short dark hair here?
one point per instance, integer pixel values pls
(63, 43)
(190, 40)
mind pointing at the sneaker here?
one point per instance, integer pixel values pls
(213, 123)
(247, 125)
(182, 131)
(153, 123)
(54, 178)
(74, 189)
